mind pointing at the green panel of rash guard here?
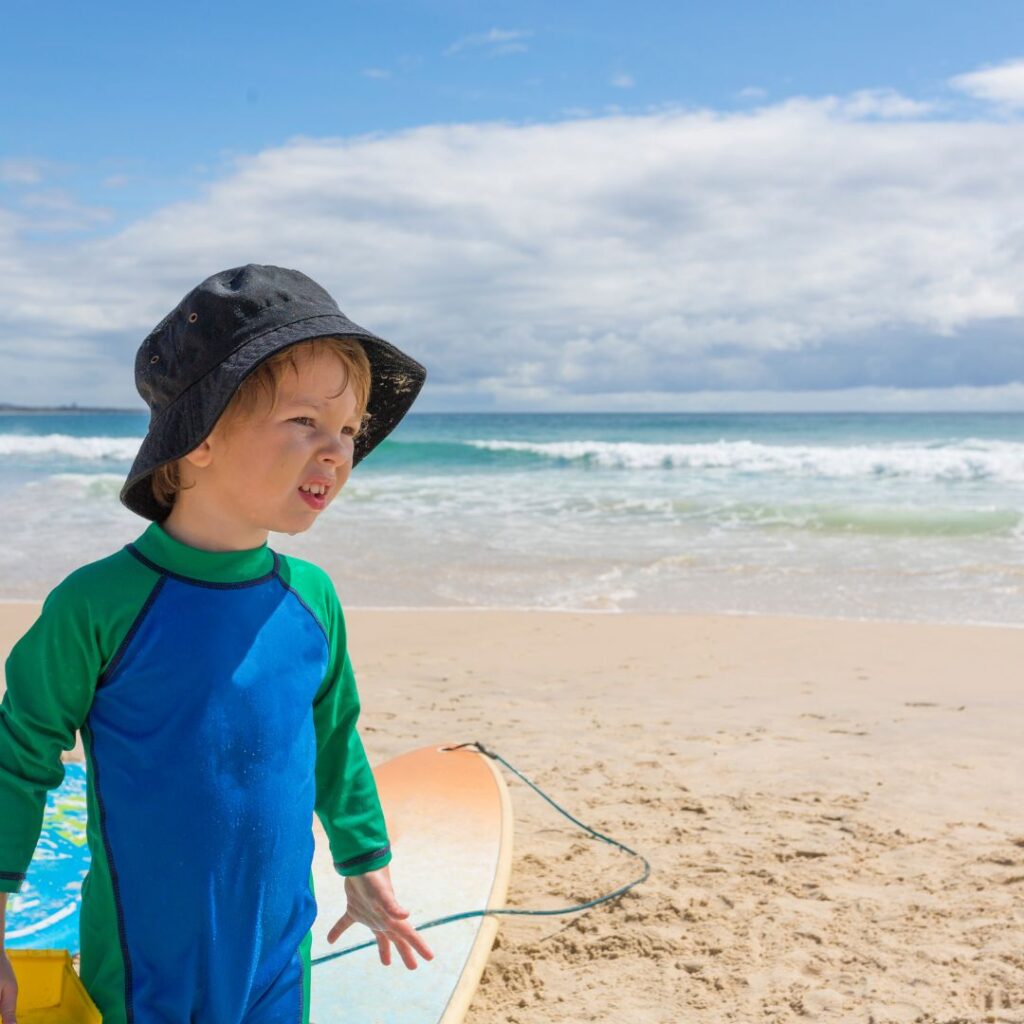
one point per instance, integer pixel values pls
(102, 964)
(305, 949)
(347, 802)
(51, 674)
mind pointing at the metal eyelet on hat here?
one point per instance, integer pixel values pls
(193, 317)
(155, 359)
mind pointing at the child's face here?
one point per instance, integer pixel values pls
(249, 471)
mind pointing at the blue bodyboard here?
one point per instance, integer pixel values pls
(44, 914)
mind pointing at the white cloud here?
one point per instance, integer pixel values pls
(497, 41)
(22, 172)
(56, 209)
(1002, 83)
(811, 245)
(504, 48)
(880, 103)
(752, 92)
(623, 81)
(376, 72)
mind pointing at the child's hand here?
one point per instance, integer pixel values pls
(8, 990)
(371, 901)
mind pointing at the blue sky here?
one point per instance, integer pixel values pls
(796, 205)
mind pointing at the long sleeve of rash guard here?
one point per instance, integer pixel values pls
(51, 676)
(347, 803)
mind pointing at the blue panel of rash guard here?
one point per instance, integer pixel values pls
(204, 751)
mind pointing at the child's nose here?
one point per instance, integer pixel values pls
(340, 448)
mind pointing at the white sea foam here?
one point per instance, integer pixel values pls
(971, 459)
(88, 448)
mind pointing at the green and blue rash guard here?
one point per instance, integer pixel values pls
(217, 705)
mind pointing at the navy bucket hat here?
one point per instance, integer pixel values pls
(191, 364)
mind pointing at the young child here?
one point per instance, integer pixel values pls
(209, 674)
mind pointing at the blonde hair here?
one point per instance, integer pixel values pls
(262, 385)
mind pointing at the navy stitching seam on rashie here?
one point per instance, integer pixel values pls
(135, 627)
(352, 861)
(205, 583)
(129, 1009)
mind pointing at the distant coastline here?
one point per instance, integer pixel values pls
(8, 407)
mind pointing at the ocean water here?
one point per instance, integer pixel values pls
(915, 517)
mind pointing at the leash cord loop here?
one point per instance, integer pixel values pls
(506, 910)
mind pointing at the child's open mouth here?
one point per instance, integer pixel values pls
(317, 501)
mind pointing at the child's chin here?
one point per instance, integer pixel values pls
(297, 522)
(293, 530)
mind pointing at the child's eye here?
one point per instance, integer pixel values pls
(296, 419)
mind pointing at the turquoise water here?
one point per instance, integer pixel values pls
(878, 516)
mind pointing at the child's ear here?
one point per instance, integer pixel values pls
(202, 455)
(218, 437)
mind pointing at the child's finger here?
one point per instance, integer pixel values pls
(421, 947)
(406, 953)
(413, 937)
(406, 931)
(339, 927)
(406, 939)
(8, 997)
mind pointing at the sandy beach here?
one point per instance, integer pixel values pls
(833, 810)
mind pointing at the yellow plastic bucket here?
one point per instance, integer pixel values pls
(49, 990)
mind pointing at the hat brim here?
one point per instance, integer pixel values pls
(396, 381)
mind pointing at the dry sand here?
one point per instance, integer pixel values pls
(833, 810)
